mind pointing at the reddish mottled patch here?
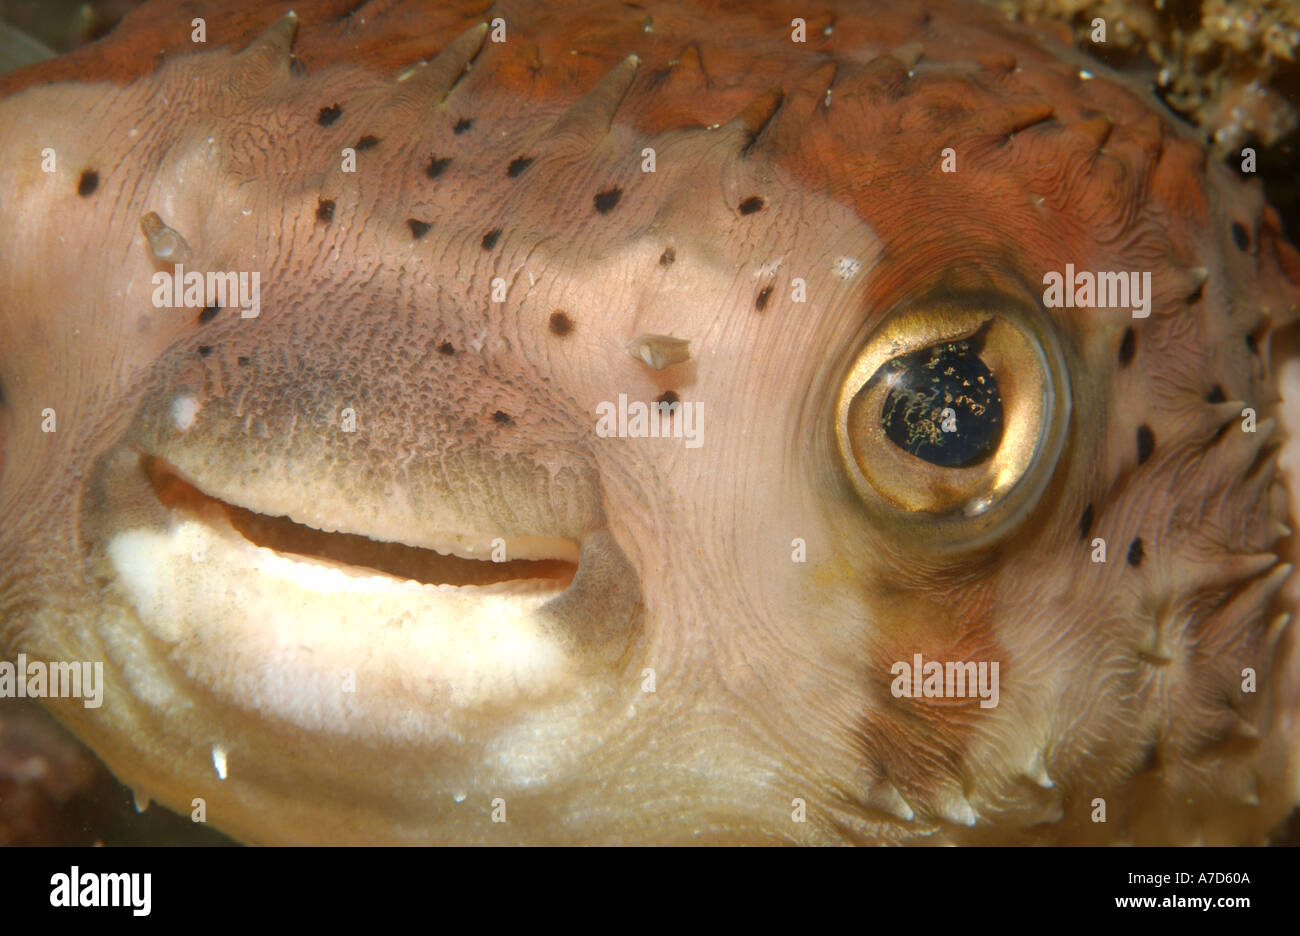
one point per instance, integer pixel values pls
(917, 742)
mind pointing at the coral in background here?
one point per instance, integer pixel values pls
(1228, 66)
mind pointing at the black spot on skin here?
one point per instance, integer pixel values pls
(501, 419)
(518, 166)
(1127, 348)
(205, 350)
(208, 314)
(1085, 523)
(418, 228)
(1146, 443)
(1134, 556)
(1240, 236)
(751, 204)
(436, 166)
(328, 115)
(1252, 344)
(1216, 395)
(462, 125)
(446, 348)
(760, 303)
(561, 324)
(490, 238)
(244, 360)
(667, 398)
(366, 142)
(667, 257)
(1195, 295)
(88, 182)
(325, 210)
(606, 200)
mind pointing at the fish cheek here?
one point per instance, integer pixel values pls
(919, 577)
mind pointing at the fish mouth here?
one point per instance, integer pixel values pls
(244, 613)
(252, 655)
(458, 559)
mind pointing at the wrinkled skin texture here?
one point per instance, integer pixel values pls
(327, 706)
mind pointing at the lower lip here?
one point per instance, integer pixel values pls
(324, 646)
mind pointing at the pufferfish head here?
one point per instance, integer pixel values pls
(939, 499)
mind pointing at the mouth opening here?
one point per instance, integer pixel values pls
(352, 550)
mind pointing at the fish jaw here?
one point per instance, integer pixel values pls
(168, 625)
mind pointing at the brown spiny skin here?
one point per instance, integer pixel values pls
(1119, 681)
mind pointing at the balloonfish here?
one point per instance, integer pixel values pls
(645, 422)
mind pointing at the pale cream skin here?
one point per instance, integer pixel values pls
(719, 667)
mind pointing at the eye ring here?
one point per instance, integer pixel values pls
(964, 501)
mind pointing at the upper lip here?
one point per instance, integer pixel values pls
(439, 558)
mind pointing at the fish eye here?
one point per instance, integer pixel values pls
(942, 404)
(953, 415)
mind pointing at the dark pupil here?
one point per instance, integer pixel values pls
(947, 376)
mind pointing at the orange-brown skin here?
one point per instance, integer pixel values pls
(773, 677)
